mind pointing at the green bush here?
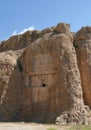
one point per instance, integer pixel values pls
(20, 67)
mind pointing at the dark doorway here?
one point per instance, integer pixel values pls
(43, 85)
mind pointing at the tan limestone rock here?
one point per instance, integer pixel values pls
(19, 41)
(82, 43)
(52, 81)
(47, 30)
(64, 28)
(43, 79)
(11, 86)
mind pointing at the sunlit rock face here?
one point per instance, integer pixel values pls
(82, 44)
(41, 80)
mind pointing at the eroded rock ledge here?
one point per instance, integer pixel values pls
(45, 76)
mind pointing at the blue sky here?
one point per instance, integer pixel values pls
(16, 16)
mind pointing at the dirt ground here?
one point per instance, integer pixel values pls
(31, 126)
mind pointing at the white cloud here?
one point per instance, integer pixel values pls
(14, 33)
(23, 31)
(27, 29)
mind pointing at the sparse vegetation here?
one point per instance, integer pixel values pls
(80, 127)
(35, 126)
(51, 128)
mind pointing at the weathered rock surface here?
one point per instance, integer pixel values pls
(82, 43)
(19, 41)
(11, 86)
(64, 28)
(43, 79)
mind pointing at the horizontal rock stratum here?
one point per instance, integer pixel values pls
(45, 76)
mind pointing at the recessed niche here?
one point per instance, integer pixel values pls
(41, 71)
(43, 85)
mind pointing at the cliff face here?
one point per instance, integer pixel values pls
(45, 76)
(82, 43)
(11, 84)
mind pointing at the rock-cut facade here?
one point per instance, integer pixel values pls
(45, 76)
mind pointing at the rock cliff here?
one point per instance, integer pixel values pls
(45, 76)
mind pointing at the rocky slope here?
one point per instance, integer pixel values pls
(45, 76)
